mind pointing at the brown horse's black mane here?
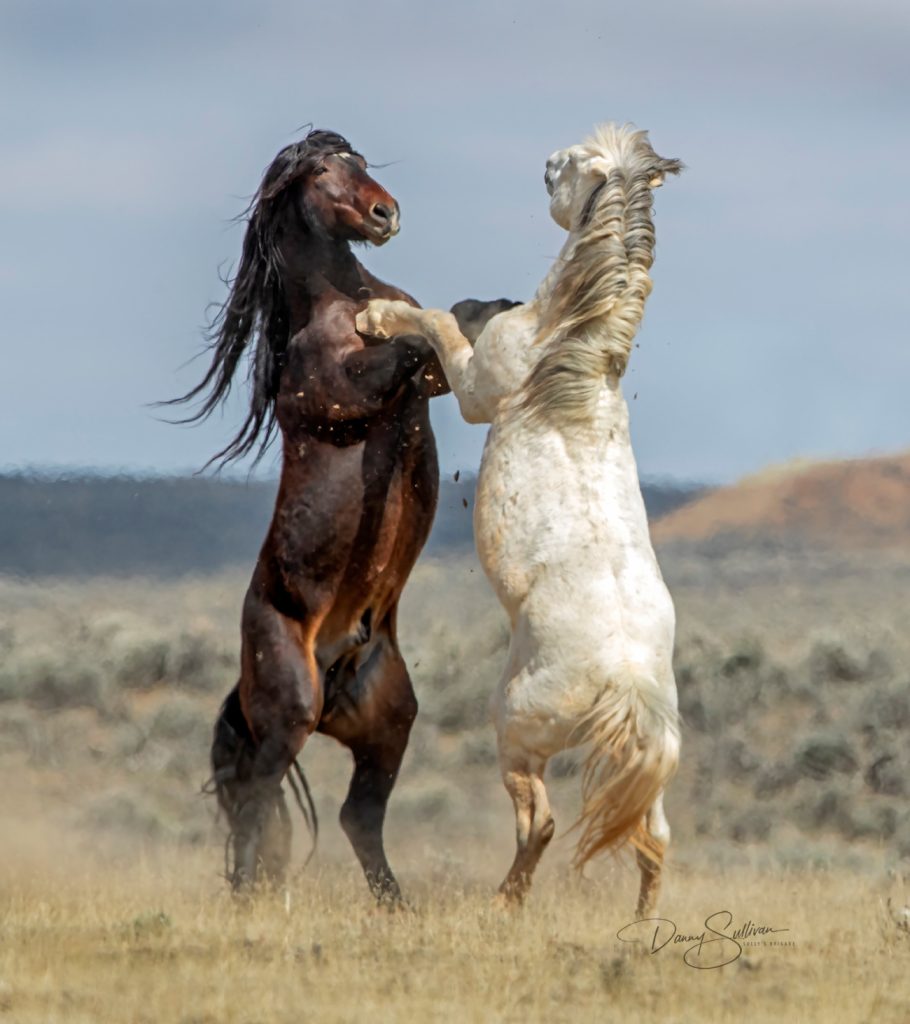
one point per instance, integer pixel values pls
(255, 310)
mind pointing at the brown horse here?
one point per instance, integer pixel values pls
(355, 503)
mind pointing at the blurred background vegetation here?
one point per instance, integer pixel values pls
(119, 635)
(84, 525)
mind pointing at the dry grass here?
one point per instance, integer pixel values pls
(790, 809)
(162, 941)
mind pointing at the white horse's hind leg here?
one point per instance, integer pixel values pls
(658, 831)
(533, 820)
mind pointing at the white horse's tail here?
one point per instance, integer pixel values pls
(593, 310)
(633, 730)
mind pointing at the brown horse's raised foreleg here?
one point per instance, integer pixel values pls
(372, 714)
(263, 725)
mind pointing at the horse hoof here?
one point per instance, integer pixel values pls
(387, 907)
(504, 903)
(243, 893)
(370, 323)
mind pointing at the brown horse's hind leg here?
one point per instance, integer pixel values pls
(372, 716)
(264, 723)
(233, 755)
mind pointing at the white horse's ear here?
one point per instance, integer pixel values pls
(596, 165)
(663, 168)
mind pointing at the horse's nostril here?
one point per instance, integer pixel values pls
(381, 212)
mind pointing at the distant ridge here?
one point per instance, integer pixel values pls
(172, 526)
(848, 504)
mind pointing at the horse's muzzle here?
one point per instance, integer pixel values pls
(382, 222)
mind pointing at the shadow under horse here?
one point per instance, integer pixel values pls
(355, 503)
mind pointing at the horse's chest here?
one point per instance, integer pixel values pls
(538, 507)
(389, 524)
(397, 482)
(383, 541)
(406, 515)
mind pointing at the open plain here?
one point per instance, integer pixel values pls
(789, 812)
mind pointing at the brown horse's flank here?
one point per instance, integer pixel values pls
(355, 503)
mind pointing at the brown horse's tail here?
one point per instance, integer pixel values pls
(233, 749)
(308, 810)
(633, 730)
(232, 754)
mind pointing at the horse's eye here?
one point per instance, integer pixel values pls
(320, 170)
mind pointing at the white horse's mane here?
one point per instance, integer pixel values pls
(596, 301)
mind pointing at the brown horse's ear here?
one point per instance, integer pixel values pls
(663, 168)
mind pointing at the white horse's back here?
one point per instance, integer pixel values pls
(562, 534)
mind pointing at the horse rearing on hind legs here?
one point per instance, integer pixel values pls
(559, 520)
(355, 503)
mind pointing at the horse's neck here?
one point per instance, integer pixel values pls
(612, 412)
(546, 286)
(314, 267)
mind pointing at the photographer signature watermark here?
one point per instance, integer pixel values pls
(717, 945)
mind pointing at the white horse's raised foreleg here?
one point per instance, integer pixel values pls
(384, 318)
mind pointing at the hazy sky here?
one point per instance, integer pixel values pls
(131, 133)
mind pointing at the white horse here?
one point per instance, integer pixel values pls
(559, 521)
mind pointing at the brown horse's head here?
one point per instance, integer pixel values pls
(318, 187)
(328, 182)
(346, 202)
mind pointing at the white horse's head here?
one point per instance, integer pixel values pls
(570, 178)
(574, 175)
